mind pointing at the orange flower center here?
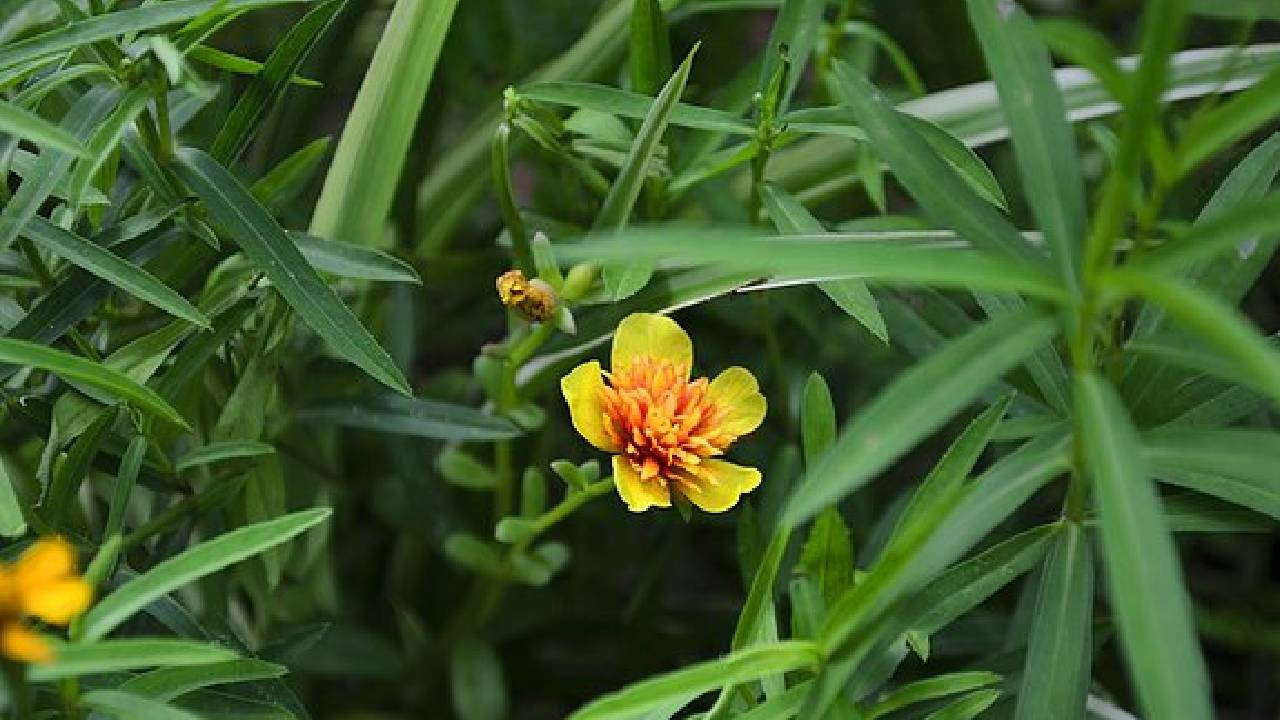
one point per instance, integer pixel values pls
(664, 424)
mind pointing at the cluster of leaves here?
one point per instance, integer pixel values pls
(180, 371)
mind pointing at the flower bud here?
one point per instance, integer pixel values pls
(534, 299)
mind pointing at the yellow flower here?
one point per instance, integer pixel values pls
(666, 432)
(43, 584)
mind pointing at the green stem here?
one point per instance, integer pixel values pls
(15, 677)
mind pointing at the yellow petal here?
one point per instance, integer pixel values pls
(23, 644)
(582, 389)
(639, 495)
(48, 560)
(718, 484)
(737, 391)
(651, 335)
(58, 602)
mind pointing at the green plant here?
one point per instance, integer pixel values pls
(1021, 297)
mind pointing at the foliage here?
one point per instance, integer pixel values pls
(1005, 313)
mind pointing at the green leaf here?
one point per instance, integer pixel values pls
(1144, 581)
(362, 181)
(108, 656)
(1082, 45)
(650, 58)
(353, 261)
(817, 419)
(902, 415)
(694, 680)
(128, 706)
(625, 279)
(1208, 133)
(270, 249)
(104, 141)
(98, 377)
(116, 270)
(1250, 10)
(203, 559)
(166, 684)
(12, 522)
(758, 608)
(818, 258)
(931, 689)
(1244, 230)
(123, 22)
(1043, 142)
(52, 167)
(1163, 27)
(18, 122)
(1056, 677)
(1219, 325)
(636, 106)
(929, 179)
(414, 417)
(1235, 465)
(216, 452)
(235, 64)
(69, 476)
(476, 684)
(965, 586)
(968, 707)
(827, 556)
(464, 470)
(126, 477)
(291, 176)
(269, 85)
(792, 39)
(852, 296)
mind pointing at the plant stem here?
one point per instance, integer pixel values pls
(19, 692)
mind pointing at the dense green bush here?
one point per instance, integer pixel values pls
(259, 377)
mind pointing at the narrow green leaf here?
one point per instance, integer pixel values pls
(852, 296)
(16, 121)
(1245, 229)
(624, 279)
(791, 40)
(113, 268)
(166, 684)
(1080, 44)
(1163, 26)
(636, 106)
(74, 368)
(929, 179)
(968, 707)
(759, 602)
(362, 181)
(104, 141)
(128, 706)
(1144, 580)
(694, 680)
(1043, 142)
(931, 689)
(1209, 132)
(354, 261)
(650, 58)
(270, 249)
(52, 167)
(269, 85)
(1216, 323)
(108, 656)
(901, 415)
(413, 417)
(827, 556)
(291, 177)
(203, 559)
(818, 258)
(12, 522)
(1235, 465)
(69, 476)
(817, 419)
(216, 452)
(235, 64)
(126, 477)
(122, 22)
(1055, 680)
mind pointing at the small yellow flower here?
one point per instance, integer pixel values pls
(42, 584)
(666, 432)
(534, 299)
